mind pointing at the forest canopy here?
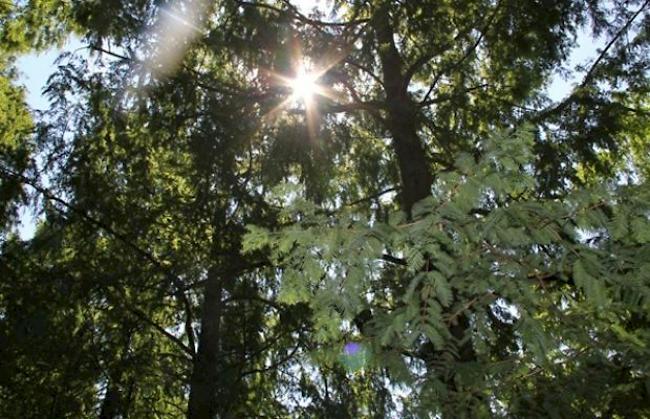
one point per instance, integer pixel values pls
(355, 209)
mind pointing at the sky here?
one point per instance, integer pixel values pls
(35, 69)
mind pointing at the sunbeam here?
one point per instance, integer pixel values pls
(176, 28)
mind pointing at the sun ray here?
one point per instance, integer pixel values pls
(176, 26)
(304, 88)
(273, 113)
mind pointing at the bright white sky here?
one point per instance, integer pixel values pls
(307, 6)
(36, 68)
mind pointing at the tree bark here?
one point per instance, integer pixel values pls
(116, 402)
(415, 170)
(112, 403)
(402, 118)
(203, 402)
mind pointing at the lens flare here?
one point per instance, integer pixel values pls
(354, 357)
(177, 25)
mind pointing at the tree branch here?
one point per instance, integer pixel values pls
(274, 365)
(371, 107)
(365, 70)
(292, 12)
(394, 260)
(465, 56)
(545, 113)
(172, 277)
(140, 314)
(445, 98)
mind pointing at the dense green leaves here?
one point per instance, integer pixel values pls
(15, 130)
(488, 240)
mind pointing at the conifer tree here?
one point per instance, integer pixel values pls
(369, 209)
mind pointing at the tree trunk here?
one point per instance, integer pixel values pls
(203, 403)
(116, 402)
(415, 170)
(402, 119)
(112, 401)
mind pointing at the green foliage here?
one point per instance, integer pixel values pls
(484, 241)
(33, 24)
(15, 130)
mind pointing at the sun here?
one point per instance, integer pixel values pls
(303, 86)
(304, 91)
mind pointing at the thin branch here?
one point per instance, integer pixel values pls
(111, 53)
(413, 68)
(140, 314)
(365, 70)
(445, 98)
(245, 268)
(351, 107)
(394, 260)
(175, 280)
(292, 12)
(373, 196)
(467, 306)
(465, 56)
(257, 298)
(274, 365)
(603, 53)
(316, 22)
(223, 88)
(543, 114)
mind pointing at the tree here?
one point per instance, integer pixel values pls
(234, 245)
(15, 127)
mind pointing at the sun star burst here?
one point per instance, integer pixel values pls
(303, 86)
